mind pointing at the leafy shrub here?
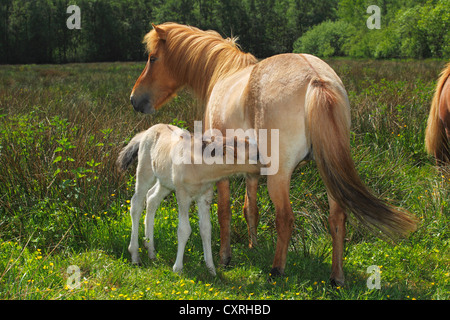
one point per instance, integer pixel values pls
(326, 39)
(420, 31)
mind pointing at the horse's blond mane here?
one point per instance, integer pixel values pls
(198, 58)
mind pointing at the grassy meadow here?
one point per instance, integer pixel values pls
(63, 203)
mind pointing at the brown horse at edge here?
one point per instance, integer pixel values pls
(437, 137)
(297, 94)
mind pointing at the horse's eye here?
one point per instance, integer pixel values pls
(153, 59)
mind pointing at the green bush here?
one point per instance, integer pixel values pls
(418, 31)
(421, 31)
(326, 39)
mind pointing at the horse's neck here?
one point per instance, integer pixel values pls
(203, 77)
(227, 102)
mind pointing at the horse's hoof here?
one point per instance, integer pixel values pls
(274, 273)
(336, 283)
(225, 262)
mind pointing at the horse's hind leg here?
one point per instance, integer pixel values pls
(251, 209)
(137, 205)
(336, 221)
(224, 215)
(278, 186)
(154, 197)
(145, 180)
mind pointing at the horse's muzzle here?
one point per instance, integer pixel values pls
(142, 104)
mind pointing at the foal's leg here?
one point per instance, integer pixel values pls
(154, 197)
(224, 215)
(337, 220)
(144, 181)
(204, 204)
(184, 228)
(278, 186)
(251, 209)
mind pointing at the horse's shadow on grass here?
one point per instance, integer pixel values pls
(246, 266)
(249, 270)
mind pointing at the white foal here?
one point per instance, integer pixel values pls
(168, 160)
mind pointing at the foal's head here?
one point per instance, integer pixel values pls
(244, 152)
(234, 150)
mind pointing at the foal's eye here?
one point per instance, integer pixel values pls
(153, 59)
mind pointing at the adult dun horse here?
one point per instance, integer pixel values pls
(437, 137)
(297, 94)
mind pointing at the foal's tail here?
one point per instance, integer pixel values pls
(128, 154)
(328, 122)
(435, 137)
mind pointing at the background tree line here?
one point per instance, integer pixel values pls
(34, 31)
(409, 29)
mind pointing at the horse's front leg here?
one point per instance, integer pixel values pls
(204, 205)
(184, 228)
(251, 209)
(224, 215)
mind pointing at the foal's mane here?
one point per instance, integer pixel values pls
(198, 58)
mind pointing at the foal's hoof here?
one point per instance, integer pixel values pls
(177, 269)
(137, 263)
(212, 271)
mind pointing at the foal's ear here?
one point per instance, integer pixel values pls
(235, 147)
(160, 31)
(205, 144)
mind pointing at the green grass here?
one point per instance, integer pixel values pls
(63, 203)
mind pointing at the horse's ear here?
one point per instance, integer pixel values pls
(160, 31)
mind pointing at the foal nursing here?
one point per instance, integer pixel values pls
(163, 167)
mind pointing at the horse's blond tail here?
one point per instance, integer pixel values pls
(435, 136)
(329, 127)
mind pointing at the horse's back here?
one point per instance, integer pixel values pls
(271, 95)
(279, 75)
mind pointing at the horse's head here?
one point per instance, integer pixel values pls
(182, 55)
(156, 84)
